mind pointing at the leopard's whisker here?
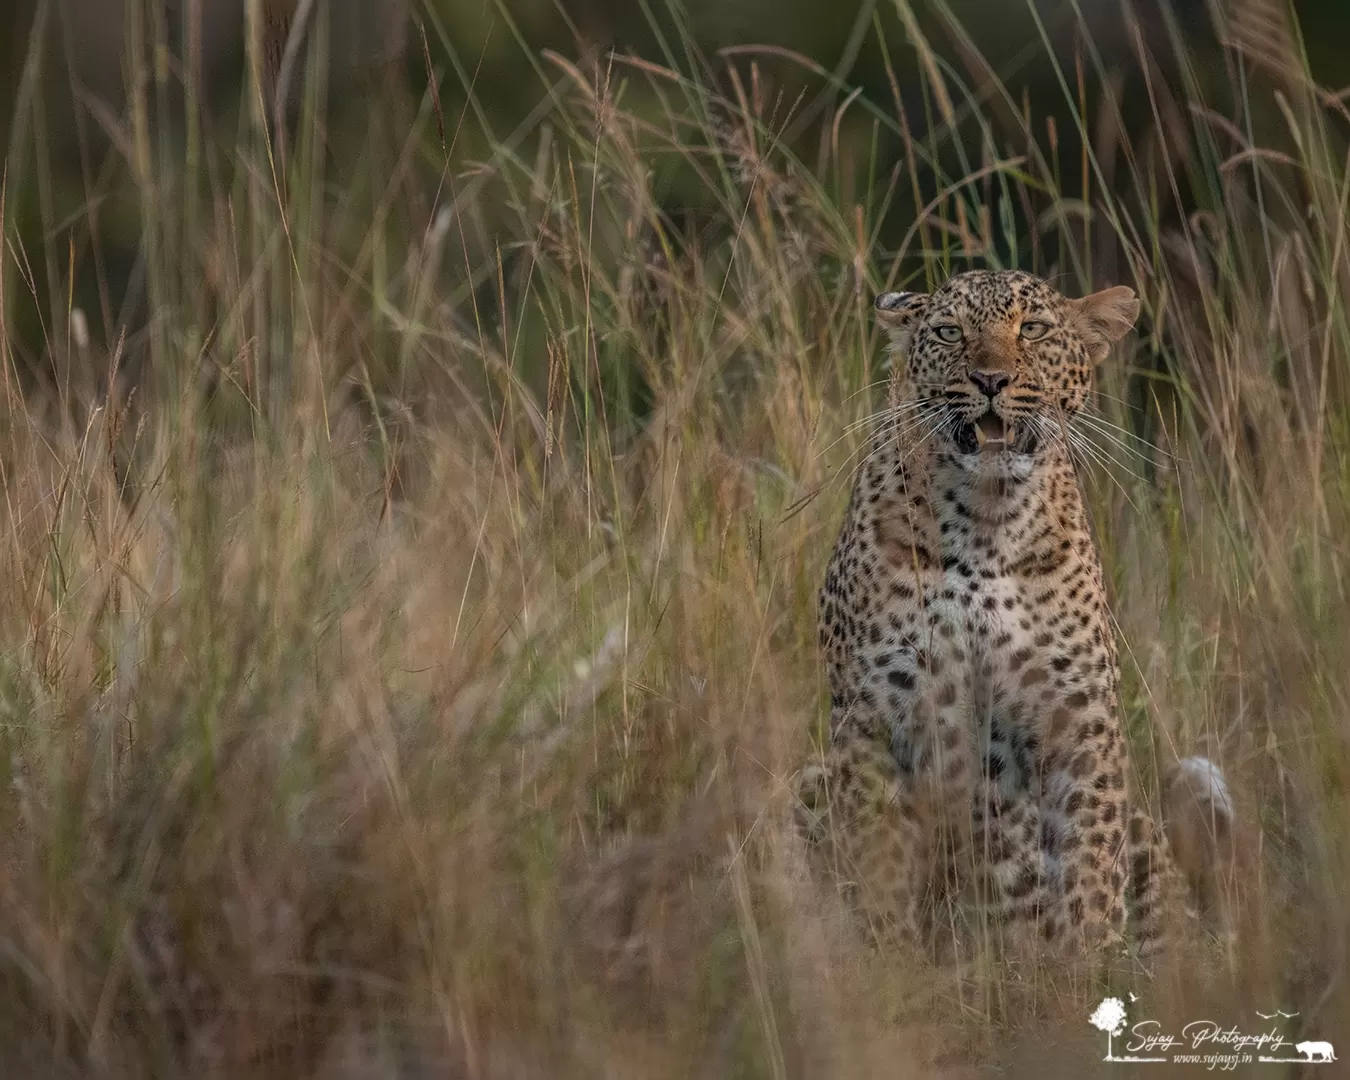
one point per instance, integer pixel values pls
(1103, 457)
(877, 418)
(888, 432)
(926, 418)
(1119, 435)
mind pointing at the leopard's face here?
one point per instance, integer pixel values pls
(996, 363)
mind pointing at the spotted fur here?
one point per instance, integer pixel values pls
(976, 752)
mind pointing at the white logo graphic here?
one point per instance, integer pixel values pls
(1202, 1042)
(1110, 1018)
(1316, 1051)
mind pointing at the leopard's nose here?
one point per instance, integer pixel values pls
(990, 382)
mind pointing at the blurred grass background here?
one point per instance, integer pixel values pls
(425, 425)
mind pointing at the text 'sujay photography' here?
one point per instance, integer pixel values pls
(679, 538)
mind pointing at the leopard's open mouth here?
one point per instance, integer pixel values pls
(991, 434)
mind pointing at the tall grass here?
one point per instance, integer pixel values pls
(408, 674)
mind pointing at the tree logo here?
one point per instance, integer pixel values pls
(1110, 1018)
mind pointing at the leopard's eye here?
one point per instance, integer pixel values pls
(1032, 330)
(948, 332)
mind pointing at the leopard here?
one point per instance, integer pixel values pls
(977, 763)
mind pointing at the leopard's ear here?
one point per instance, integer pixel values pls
(1104, 318)
(899, 313)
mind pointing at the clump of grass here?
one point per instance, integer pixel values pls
(410, 673)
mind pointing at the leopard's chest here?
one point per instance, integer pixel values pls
(925, 618)
(974, 633)
(969, 657)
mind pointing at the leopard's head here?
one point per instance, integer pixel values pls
(997, 363)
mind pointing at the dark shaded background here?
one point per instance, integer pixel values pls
(68, 65)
